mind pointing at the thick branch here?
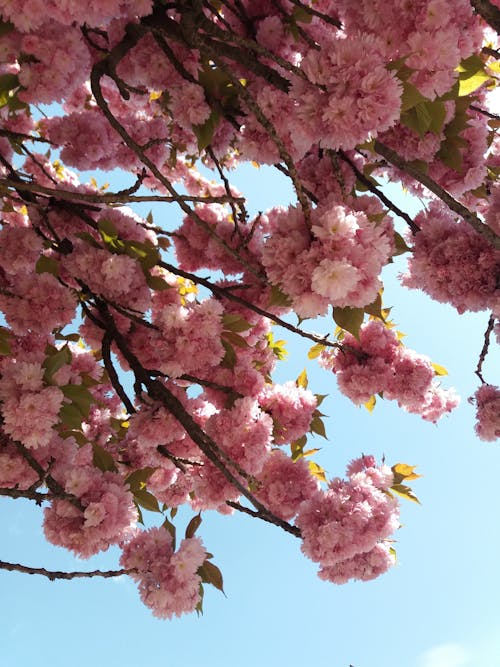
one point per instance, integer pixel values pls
(393, 158)
(488, 12)
(28, 494)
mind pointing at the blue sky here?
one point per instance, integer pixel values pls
(437, 608)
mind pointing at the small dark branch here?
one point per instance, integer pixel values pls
(21, 136)
(488, 12)
(211, 385)
(225, 293)
(324, 17)
(284, 170)
(112, 374)
(178, 461)
(287, 19)
(293, 530)
(28, 494)
(56, 574)
(379, 194)
(45, 477)
(484, 112)
(484, 351)
(86, 32)
(488, 51)
(397, 161)
(242, 215)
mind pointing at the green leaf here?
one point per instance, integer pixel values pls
(145, 253)
(193, 526)
(278, 298)
(47, 265)
(71, 416)
(400, 245)
(235, 323)
(79, 396)
(297, 447)
(137, 480)
(375, 308)
(88, 238)
(55, 361)
(229, 360)
(205, 132)
(301, 15)
(411, 97)
(102, 459)
(107, 229)
(146, 500)
(169, 526)
(8, 83)
(349, 319)
(78, 436)
(317, 426)
(234, 339)
(210, 574)
(156, 283)
(5, 337)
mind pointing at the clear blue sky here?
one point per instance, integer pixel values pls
(437, 608)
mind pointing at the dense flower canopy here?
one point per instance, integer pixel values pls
(338, 96)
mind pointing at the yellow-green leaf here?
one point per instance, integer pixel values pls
(317, 471)
(210, 574)
(301, 381)
(316, 350)
(370, 403)
(439, 370)
(47, 265)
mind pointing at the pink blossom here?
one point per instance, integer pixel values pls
(168, 581)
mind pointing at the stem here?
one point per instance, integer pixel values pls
(57, 574)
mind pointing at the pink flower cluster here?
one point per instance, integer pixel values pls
(487, 400)
(168, 581)
(107, 517)
(285, 484)
(337, 262)
(344, 528)
(453, 263)
(379, 364)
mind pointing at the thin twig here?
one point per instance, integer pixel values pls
(57, 574)
(484, 351)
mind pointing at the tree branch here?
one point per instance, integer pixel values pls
(488, 13)
(57, 574)
(393, 158)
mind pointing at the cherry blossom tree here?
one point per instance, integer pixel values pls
(131, 382)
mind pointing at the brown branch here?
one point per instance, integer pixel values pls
(161, 393)
(57, 574)
(28, 494)
(397, 161)
(109, 197)
(488, 13)
(224, 293)
(379, 194)
(293, 530)
(484, 350)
